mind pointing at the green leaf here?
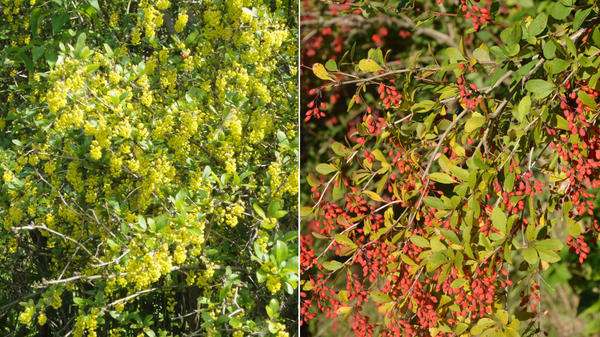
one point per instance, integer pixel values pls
(524, 108)
(312, 180)
(235, 323)
(273, 308)
(279, 214)
(530, 255)
(511, 332)
(459, 172)
(80, 44)
(481, 54)
(435, 260)
(142, 223)
(419, 241)
(596, 36)
(434, 202)
(450, 236)
(556, 66)
(459, 282)
(34, 19)
(586, 99)
(94, 3)
(325, 169)
(58, 20)
(423, 106)
(530, 232)
(380, 297)
(475, 122)
(548, 255)
(511, 36)
(573, 227)
(560, 11)
(195, 231)
(344, 240)
(331, 65)
(274, 206)
(339, 149)
(26, 60)
(549, 49)
(509, 181)
(499, 219)
(332, 265)
(37, 52)
(580, 16)
(281, 251)
(441, 178)
(259, 211)
(540, 88)
(538, 24)
(571, 47)
(454, 54)
(549, 244)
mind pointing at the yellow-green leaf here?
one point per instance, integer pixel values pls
(332, 265)
(475, 122)
(380, 297)
(459, 282)
(530, 255)
(373, 195)
(321, 72)
(419, 241)
(368, 65)
(441, 178)
(325, 169)
(573, 227)
(499, 219)
(344, 240)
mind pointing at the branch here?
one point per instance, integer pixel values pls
(65, 237)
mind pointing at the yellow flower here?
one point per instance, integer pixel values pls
(182, 20)
(42, 319)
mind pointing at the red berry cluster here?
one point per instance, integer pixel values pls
(315, 108)
(374, 124)
(468, 92)
(388, 95)
(578, 148)
(379, 37)
(479, 15)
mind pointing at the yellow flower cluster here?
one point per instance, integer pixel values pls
(182, 20)
(86, 322)
(42, 319)
(152, 19)
(233, 213)
(26, 316)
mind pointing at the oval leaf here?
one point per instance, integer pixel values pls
(369, 66)
(321, 72)
(441, 178)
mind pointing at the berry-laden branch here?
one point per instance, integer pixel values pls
(442, 193)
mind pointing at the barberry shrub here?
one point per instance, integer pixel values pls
(463, 162)
(149, 157)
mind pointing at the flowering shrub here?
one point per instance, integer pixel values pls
(149, 164)
(460, 166)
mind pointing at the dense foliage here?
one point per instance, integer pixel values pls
(149, 156)
(453, 163)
